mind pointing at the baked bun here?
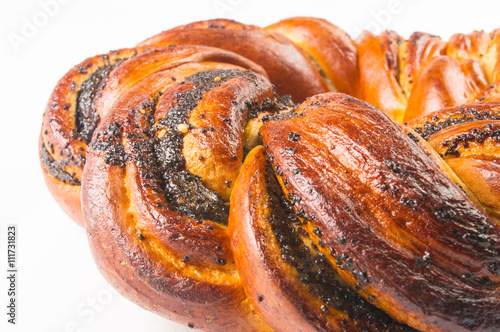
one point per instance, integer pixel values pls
(213, 199)
(168, 160)
(414, 77)
(328, 47)
(288, 68)
(390, 222)
(467, 137)
(83, 96)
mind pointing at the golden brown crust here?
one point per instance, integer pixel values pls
(491, 93)
(288, 68)
(445, 82)
(411, 78)
(93, 86)
(146, 235)
(356, 202)
(217, 158)
(414, 55)
(392, 203)
(481, 173)
(378, 68)
(67, 196)
(63, 137)
(467, 138)
(480, 46)
(283, 273)
(327, 46)
(253, 244)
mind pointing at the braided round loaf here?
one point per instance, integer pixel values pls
(209, 199)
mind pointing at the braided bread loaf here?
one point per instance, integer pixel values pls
(210, 200)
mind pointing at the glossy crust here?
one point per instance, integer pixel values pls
(414, 77)
(417, 245)
(468, 139)
(481, 173)
(289, 277)
(288, 68)
(480, 46)
(378, 68)
(414, 55)
(445, 82)
(404, 78)
(63, 144)
(66, 132)
(388, 71)
(342, 220)
(151, 242)
(327, 46)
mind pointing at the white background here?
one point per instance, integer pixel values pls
(59, 287)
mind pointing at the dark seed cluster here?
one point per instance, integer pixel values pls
(86, 117)
(475, 135)
(316, 272)
(283, 103)
(141, 143)
(273, 105)
(220, 261)
(494, 267)
(56, 169)
(445, 213)
(321, 102)
(413, 137)
(468, 114)
(187, 193)
(293, 137)
(408, 202)
(395, 168)
(184, 190)
(109, 141)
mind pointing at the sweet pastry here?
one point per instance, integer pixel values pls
(467, 138)
(167, 162)
(390, 222)
(302, 57)
(409, 78)
(328, 47)
(288, 68)
(85, 94)
(211, 198)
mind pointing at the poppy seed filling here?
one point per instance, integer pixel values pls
(55, 169)
(86, 117)
(313, 268)
(161, 160)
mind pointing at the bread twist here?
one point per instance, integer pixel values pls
(390, 222)
(210, 200)
(85, 94)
